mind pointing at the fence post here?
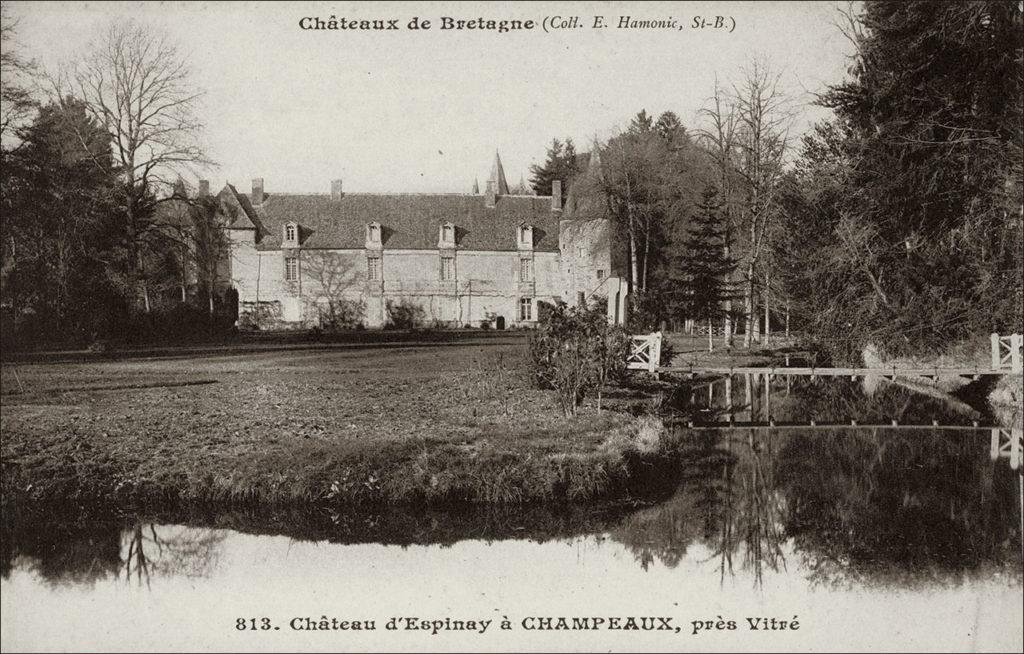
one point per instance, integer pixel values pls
(1015, 354)
(654, 352)
(995, 351)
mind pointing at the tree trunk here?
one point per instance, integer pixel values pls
(647, 249)
(711, 336)
(767, 321)
(634, 268)
(727, 327)
(748, 307)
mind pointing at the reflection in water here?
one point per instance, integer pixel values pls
(854, 505)
(91, 550)
(905, 488)
(167, 551)
(866, 519)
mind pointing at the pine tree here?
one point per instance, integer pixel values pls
(702, 268)
(561, 163)
(641, 123)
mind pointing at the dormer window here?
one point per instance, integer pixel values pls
(291, 234)
(373, 235)
(447, 236)
(525, 237)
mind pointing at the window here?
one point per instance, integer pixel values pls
(600, 274)
(373, 269)
(524, 235)
(373, 233)
(289, 233)
(447, 269)
(526, 270)
(291, 269)
(525, 308)
(580, 251)
(447, 234)
(581, 299)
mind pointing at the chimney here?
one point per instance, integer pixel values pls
(556, 195)
(490, 196)
(335, 190)
(204, 188)
(257, 191)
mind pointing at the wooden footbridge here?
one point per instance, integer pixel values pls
(645, 354)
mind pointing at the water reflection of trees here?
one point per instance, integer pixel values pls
(75, 552)
(167, 551)
(851, 503)
(866, 502)
(726, 500)
(800, 399)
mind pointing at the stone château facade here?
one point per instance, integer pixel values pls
(461, 259)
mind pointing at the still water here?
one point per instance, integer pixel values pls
(868, 537)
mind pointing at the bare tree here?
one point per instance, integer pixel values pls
(333, 276)
(720, 140)
(16, 73)
(764, 120)
(140, 88)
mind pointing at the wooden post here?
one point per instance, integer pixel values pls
(1016, 366)
(654, 354)
(1015, 448)
(728, 395)
(748, 396)
(995, 351)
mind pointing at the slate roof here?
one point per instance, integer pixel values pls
(408, 221)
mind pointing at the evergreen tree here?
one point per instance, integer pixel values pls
(670, 128)
(641, 123)
(59, 224)
(561, 163)
(931, 224)
(701, 270)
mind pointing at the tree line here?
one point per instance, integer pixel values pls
(100, 238)
(897, 222)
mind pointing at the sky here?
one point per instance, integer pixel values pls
(425, 111)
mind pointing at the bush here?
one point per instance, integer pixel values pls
(576, 352)
(404, 314)
(337, 315)
(260, 315)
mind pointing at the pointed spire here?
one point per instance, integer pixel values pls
(498, 176)
(179, 188)
(522, 188)
(476, 186)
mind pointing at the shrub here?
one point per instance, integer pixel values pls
(259, 315)
(405, 314)
(339, 315)
(576, 352)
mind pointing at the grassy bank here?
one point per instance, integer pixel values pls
(426, 422)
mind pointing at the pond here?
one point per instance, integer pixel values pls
(832, 537)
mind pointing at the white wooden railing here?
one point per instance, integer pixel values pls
(1006, 353)
(644, 352)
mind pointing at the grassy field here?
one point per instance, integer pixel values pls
(388, 422)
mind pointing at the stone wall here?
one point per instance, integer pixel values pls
(486, 286)
(585, 259)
